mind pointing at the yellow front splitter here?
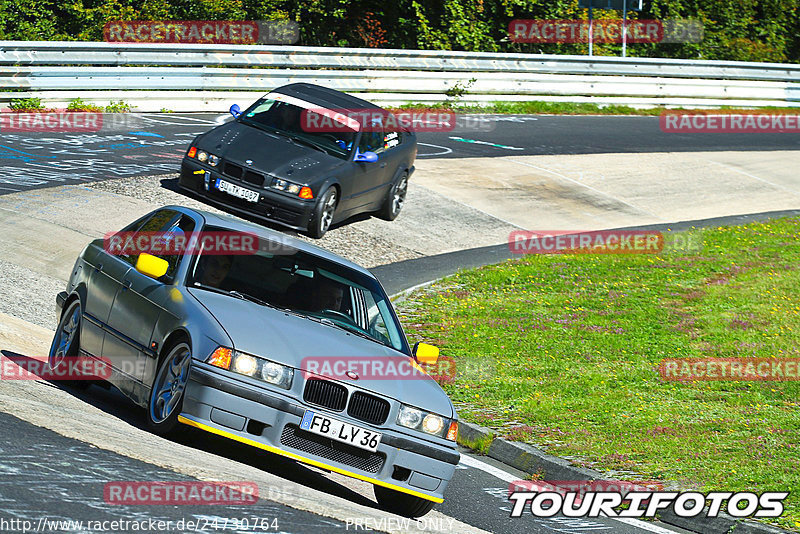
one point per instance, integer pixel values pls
(191, 422)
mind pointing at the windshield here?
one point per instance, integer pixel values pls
(316, 288)
(305, 126)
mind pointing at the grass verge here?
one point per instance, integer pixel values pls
(566, 108)
(562, 351)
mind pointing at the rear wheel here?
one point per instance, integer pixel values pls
(394, 200)
(66, 344)
(402, 503)
(166, 397)
(323, 213)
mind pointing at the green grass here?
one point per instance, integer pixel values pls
(118, 107)
(559, 108)
(78, 104)
(562, 351)
(480, 444)
(26, 104)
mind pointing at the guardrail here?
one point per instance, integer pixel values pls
(59, 70)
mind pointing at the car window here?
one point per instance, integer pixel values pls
(153, 223)
(305, 125)
(183, 226)
(371, 141)
(392, 139)
(307, 284)
(169, 222)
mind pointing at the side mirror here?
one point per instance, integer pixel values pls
(235, 110)
(368, 157)
(426, 354)
(151, 266)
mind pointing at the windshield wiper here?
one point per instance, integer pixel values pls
(303, 141)
(260, 126)
(356, 330)
(251, 298)
(237, 294)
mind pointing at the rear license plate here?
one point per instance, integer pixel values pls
(236, 191)
(340, 431)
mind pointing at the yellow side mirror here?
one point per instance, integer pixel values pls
(426, 354)
(151, 266)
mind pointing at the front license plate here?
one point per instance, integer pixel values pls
(236, 191)
(340, 431)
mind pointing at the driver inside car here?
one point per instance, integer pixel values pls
(214, 269)
(328, 296)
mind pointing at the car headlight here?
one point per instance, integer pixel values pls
(213, 160)
(277, 374)
(430, 423)
(202, 156)
(254, 366)
(301, 191)
(245, 364)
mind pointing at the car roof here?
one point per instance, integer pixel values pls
(233, 223)
(325, 97)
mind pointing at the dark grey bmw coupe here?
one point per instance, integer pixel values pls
(243, 332)
(305, 157)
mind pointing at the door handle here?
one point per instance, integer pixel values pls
(126, 285)
(98, 267)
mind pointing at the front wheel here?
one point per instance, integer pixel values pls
(394, 200)
(402, 503)
(166, 397)
(66, 344)
(323, 214)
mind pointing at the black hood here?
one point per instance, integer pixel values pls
(270, 153)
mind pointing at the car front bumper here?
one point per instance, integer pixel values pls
(218, 404)
(272, 206)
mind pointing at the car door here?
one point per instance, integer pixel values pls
(106, 272)
(368, 177)
(139, 302)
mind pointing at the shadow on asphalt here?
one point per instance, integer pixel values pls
(111, 401)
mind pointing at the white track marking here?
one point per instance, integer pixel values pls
(471, 461)
(444, 148)
(754, 177)
(567, 178)
(160, 120)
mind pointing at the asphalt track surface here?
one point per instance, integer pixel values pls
(139, 145)
(48, 475)
(48, 478)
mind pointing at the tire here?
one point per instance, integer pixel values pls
(323, 213)
(395, 199)
(166, 395)
(402, 504)
(67, 343)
